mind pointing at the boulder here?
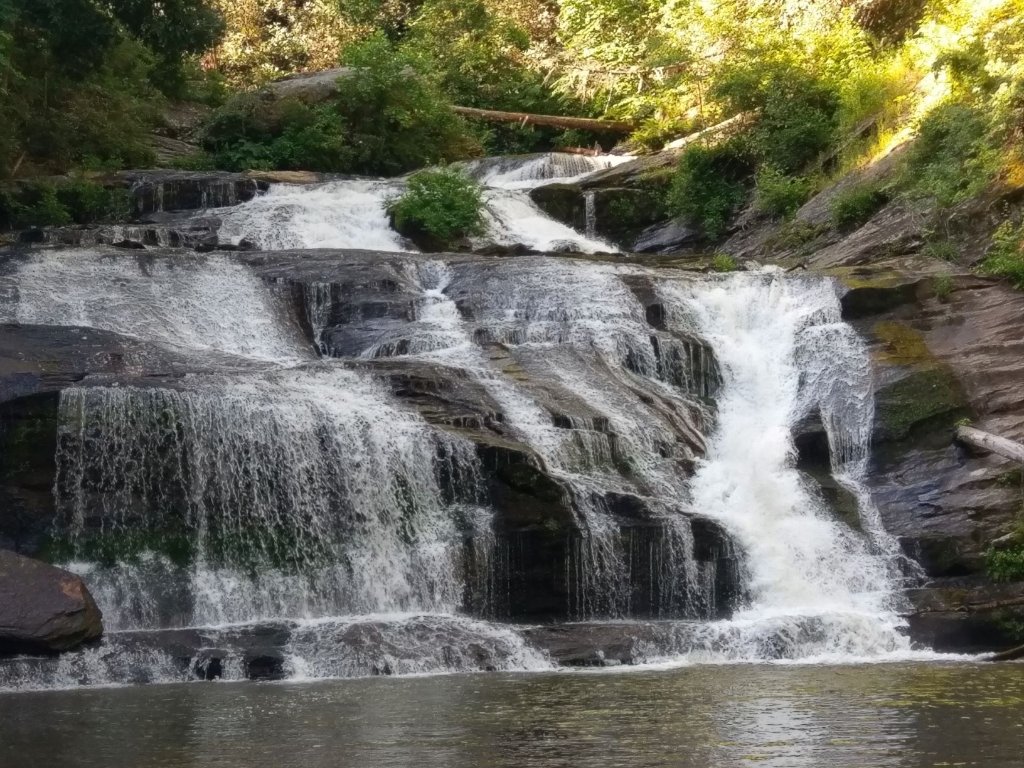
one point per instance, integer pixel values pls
(43, 609)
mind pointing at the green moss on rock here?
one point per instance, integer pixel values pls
(930, 397)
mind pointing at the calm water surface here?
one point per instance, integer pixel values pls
(706, 717)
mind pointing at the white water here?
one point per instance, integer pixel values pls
(804, 565)
(300, 493)
(352, 213)
(196, 303)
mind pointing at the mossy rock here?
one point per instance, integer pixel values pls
(926, 400)
(902, 345)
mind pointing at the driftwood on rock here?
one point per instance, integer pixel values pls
(989, 442)
(556, 121)
(1014, 654)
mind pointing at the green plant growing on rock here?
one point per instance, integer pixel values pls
(854, 206)
(943, 287)
(941, 249)
(710, 184)
(1006, 255)
(1005, 565)
(440, 206)
(723, 262)
(778, 194)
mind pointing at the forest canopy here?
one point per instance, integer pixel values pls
(85, 83)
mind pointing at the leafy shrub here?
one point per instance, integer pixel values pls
(79, 201)
(943, 287)
(778, 194)
(384, 119)
(710, 184)
(854, 206)
(723, 262)
(798, 113)
(1005, 564)
(952, 159)
(1006, 256)
(443, 204)
(941, 249)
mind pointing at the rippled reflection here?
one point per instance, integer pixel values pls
(907, 716)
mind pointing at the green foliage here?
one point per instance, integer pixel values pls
(797, 112)
(1005, 565)
(953, 158)
(723, 262)
(710, 184)
(384, 119)
(778, 194)
(444, 204)
(44, 203)
(84, 78)
(854, 206)
(943, 287)
(942, 249)
(1006, 255)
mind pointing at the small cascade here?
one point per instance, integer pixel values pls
(337, 214)
(352, 213)
(206, 303)
(590, 210)
(293, 494)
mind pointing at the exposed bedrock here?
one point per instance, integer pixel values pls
(947, 347)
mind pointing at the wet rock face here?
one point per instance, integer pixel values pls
(43, 609)
(159, 191)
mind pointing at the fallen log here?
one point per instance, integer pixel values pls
(1014, 654)
(556, 121)
(736, 121)
(989, 442)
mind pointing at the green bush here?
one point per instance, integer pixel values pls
(383, 120)
(443, 204)
(952, 158)
(778, 194)
(710, 184)
(42, 204)
(723, 262)
(1005, 564)
(1006, 255)
(854, 206)
(797, 112)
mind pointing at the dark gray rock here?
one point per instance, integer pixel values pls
(43, 609)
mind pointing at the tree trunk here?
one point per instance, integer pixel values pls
(989, 442)
(556, 121)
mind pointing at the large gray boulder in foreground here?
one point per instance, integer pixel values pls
(43, 609)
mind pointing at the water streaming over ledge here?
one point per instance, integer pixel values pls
(302, 502)
(352, 213)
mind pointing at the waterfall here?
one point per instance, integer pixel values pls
(297, 494)
(191, 302)
(351, 213)
(590, 208)
(806, 568)
(325, 459)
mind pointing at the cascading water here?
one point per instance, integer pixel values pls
(303, 502)
(352, 213)
(784, 353)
